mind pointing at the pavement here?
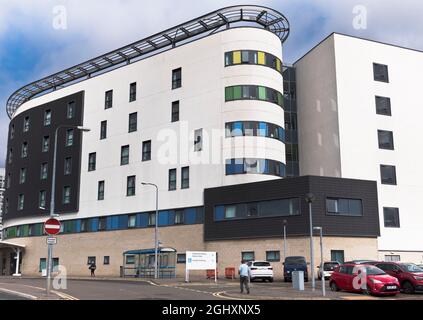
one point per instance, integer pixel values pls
(170, 289)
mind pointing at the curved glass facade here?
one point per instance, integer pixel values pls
(252, 92)
(255, 166)
(254, 129)
(254, 57)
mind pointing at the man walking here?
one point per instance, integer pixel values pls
(92, 268)
(244, 276)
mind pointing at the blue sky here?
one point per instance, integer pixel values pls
(31, 48)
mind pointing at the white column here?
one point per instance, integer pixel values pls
(18, 257)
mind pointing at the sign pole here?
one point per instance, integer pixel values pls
(49, 267)
(51, 227)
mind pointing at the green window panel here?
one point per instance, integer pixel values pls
(229, 93)
(262, 93)
(237, 92)
(25, 231)
(280, 99)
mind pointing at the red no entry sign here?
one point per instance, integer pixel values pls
(52, 226)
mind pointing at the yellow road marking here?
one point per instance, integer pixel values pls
(19, 294)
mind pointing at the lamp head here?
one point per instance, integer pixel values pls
(309, 198)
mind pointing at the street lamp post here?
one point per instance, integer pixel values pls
(52, 200)
(321, 260)
(156, 229)
(284, 240)
(309, 199)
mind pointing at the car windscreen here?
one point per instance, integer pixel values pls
(374, 271)
(261, 264)
(410, 267)
(330, 266)
(295, 260)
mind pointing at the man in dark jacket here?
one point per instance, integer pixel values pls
(92, 268)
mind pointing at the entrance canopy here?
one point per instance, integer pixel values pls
(11, 245)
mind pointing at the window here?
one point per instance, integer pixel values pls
(273, 256)
(10, 157)
(44, 171)
(124, 155)
(337, 255)
(21, 202)
(108, 100)
(249, 92)
(26, 124)
(102, 224)
(47, 118)
(179, 217)
(42, 199)
(132, 92)
(100, 192)
(84, 225)
(151, 219)
(386, 139)
(253, 57)
(24, 153)
(130, 186)
(22, 176)
(391, 217)
(380, 72)
(46, 144)
(103, 130)
(185, 178)
(133, 122)
(255, 166)
(388, 174)
(66, 195)
(181, 258)
(92, 161)
(68, 166)
(91, 260)
(130, 259)
(383, 106)
(344, 207)
(8, 180)
(132, 221)
(198, 140)
(12, 131)
(177, 78)
(69, 137)
(247, 256)
(392, 258)
(70, 112)
(175, 111)
(172, 179)
(106, 260)
(230, 212)
(43, 265)
(146, 150)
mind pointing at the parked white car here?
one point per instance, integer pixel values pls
(328, 269)
(261, 270)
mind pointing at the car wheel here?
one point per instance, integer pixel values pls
(408, 287)
(271, 280)
(334, 287)
(285, 279)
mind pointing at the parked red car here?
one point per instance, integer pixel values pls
(409, 275)
(378, 282)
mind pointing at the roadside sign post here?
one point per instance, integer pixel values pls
(199, 260)
(51, 228)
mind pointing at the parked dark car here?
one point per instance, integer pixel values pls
(292, 264)
(378, 281)
(409, 275)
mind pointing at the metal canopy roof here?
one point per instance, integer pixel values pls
(259, 16)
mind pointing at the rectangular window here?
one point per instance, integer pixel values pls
(388, 174)
(146, 150)
(230, 212)
(273, 256)
(130, 259)
(391, 217)
(133, 122)
(392, 258)
(130, 186)
(42, 199)
(44, 171)
(84, 225)
(47, 118)
(69, 137)
(133, 92)
(108, 100)
(12, 131)
(181, 258)
(386, 139)
(172, 179)
(383, 106)
(380, 72)
(70, 112)
(68, 166)
(66, 195)
(21, 202)
(46, 144)
(132, 221)
(261, 58)
(22, 176)
(91, 260)
(177, 78)
(175, 111)
(237, 57)
(248, 256)
(26, 124)
(337, 255)
(179, 217)
(347, 207)
(103, 130)
(24, 152)
(106, 260)
(43, 265)
(151, 219)
(100, 192)
(198, 140)
(185, 178)
(124, 155)
(102, 224)
(92, 161)
(229, 59)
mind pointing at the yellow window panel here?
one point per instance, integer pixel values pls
(261, 58)
(278, 65)
(237, 57)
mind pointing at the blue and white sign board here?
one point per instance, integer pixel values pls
(200, 260)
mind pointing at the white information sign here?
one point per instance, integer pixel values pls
(200, 260)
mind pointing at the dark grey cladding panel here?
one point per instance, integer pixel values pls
(322, 187)
(36, 157)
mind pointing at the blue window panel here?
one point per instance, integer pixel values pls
(163, 218)
(109, 223)
(230, 167)
(282, 134)
(262, 129)
(94, 225)
(190, 216)
(171, 217)
(262, 165)
(78, 226)
(123, 222)
(239, 166)
(114, 223)
(142, 220)
(283, 170)
(219, 213)
(238, 129)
